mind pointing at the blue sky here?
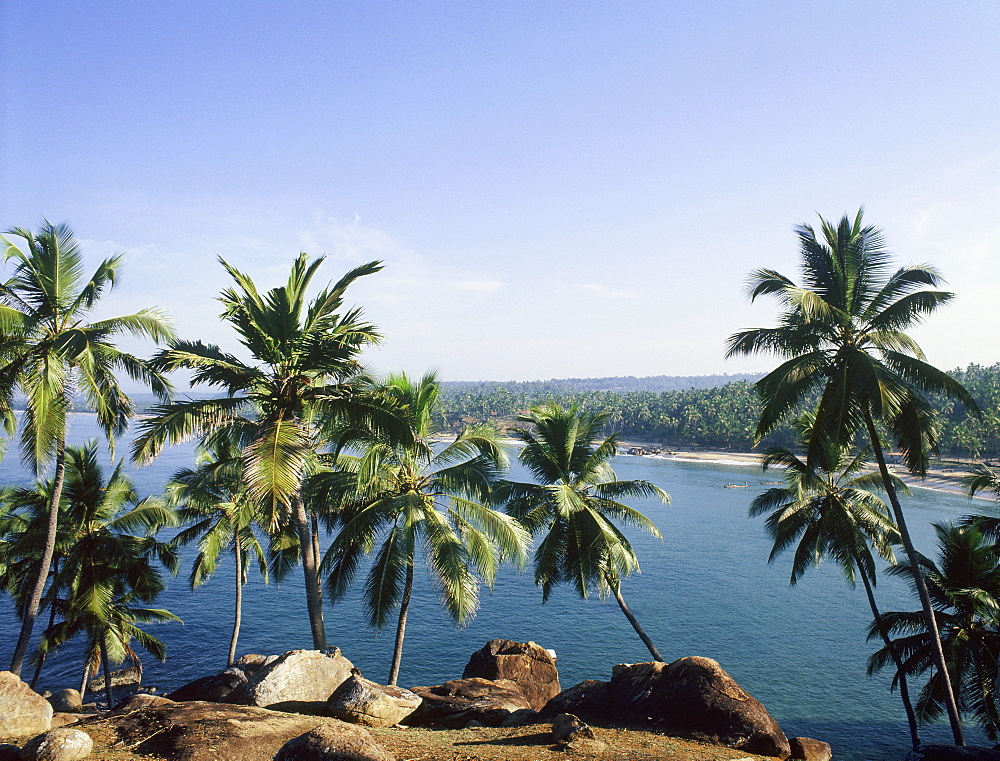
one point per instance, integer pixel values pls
(557, 188)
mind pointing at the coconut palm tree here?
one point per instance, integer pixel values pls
(420, 497)
(965, 587)
(211, 501)
(107, 553)
(827, 508)
(49, 353)
(575, 504)
(304, 374)
(842, 333)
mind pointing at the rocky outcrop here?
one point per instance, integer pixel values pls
(215, 688)
(58, 745)
(691, 697)
(807, 749)
(569, 733)
(333, 741)
(361, 701)
(295, 680)
(66, 701)
(530, 667)
(23, 712)
(456, 703)
(933, 752)
(202, 731)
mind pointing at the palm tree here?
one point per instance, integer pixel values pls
(48, 353)
(408, 497)
(107, 557)
(211, 500)
(965, 587)
(843, 333)
(827, 508)
(575, 503)
(304, 374)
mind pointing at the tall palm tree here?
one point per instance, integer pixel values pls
(842, 332)
(965, 587)
(49, 353)
(827, 508)
(304, 374)
(108, 557)
(575, 504)
(211, 501)
(421, 496)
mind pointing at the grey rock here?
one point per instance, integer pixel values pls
(361, 701)
(66, 701)
(295, 678)
(58, 745)
(23, 712)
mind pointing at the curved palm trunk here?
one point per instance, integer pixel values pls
(107, 669)
(31, 612)
(904, 690)
(310, 568)
(918, 581)
(404, 608)
(238, 614)
(616, 588)
(52, 622)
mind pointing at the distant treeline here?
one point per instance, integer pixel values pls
(706, 412)
(718, 411)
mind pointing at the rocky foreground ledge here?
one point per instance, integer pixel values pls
(306, 705)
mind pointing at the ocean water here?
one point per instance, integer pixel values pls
(706, 590)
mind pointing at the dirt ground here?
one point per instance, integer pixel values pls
(532, 743)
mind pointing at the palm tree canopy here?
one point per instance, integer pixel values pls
(48, 349)
(843, 330)
(405, 497)
(827, 508)
(576, 500)
(964, 585)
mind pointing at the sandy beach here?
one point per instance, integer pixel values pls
(941, 475)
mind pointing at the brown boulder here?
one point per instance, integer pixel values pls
(526, 664)
(569, 733)
(23, 712)
(202, 731)
(361, 701)
(294, 680)
(334, 741)
(457, 702)
(138, 702)
(58, 745)
(691, 697)
(66, 701)
(807, 749)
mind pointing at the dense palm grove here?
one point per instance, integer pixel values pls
(300, 446)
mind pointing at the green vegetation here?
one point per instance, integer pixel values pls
(575, 503)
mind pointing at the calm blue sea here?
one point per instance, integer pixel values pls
(705, 590)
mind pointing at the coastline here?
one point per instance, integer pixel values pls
(941, 476)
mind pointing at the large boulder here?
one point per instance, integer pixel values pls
(530, 667)
(295, 680)
(203, 731)
(691, 697)
(23, 712)
(361, 701)
(334, 741)
(215, 688)
(58, 745)
(456, 703)
(583, 699)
